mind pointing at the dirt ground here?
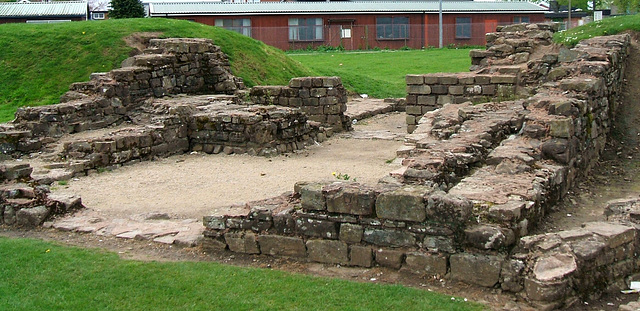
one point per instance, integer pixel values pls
(198, 184)
(193, 185)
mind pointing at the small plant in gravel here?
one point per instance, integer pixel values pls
(341, 176)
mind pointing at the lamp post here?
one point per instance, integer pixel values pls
(569, 24)
(440, 23)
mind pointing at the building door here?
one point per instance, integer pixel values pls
(341, 33)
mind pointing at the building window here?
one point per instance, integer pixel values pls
(305, 29)
(463, 27)
(520, 19)
(239, 25)
(392, 27)
(97, 15)
(345, 33)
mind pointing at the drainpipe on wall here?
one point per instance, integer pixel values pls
(440, 23)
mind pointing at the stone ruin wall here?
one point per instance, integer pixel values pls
(153, 107)
(476, 179)
(323, 100)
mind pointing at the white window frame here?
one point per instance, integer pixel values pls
(306, 31)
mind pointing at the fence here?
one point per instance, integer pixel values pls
(363, 37)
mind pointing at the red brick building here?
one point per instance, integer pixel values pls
(355, 25)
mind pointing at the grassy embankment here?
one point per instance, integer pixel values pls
(380, 74)
(39, 62)
(36, 275)
(607, 26)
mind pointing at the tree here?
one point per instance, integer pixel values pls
(126, 9)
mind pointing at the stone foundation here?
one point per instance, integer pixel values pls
(476, 178)
(322, 99)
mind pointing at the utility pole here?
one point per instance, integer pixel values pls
(440, 23)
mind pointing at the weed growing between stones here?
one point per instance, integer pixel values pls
(341, 176)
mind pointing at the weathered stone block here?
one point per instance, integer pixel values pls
(214, 222)
(406, 203)
(448, 208)
(242, 242)
(426, 101)
(31, 217)
(553, 267)
(545, 291)
(361, 256)
(425, 264)
(389, 237)
(317, 228)
(334, 252)
(504, 79)
(456, 90)
(282, 246)
(439, 89)
(439, 244)
(389, 258)
(448, 80)
(419, 89)
(483, 270)
(351, 233)
(613, 234)
(311, 197)
(414, 79)
(489, 237)
(562, 128)
(349, 199)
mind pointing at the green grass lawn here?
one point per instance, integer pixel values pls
(38, 62)
(607, 26)
(36, 275)
(380, 74)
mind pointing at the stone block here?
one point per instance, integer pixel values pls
(448, 208)
(414, 79)
(389, 258)
(489, 89)
(425, 264)
(545, 291)
(333, 252)
(483, 270)
(411, 120)
(419, 89)
(406, 203)
(317, 228)
(508, 212)
(430, 79)
(445, 99)
(361, 256)
(413, 110)
(562, 127)
(282, 246)
(473, 89)
(483, 79)
(448, 80)
(242, 242)
(31, 217)
(489, 237)
(393, 238)
(439, 89)
(456, 90)
(351, 233)
(427, 100)
(614, 235)
(504, 79)
(554, 267)
(349, 199)
(435, 243)
(311, 197)
(214, 222)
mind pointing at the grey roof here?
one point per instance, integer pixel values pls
(342, 7)
(42, 9)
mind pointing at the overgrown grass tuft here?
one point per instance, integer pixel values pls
(40, 61)
(607, 26)
(381, 74)
(36, 275)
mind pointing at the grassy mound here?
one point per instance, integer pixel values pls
(39, 62)
(608, 26)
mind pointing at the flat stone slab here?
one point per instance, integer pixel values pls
(187, 232)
